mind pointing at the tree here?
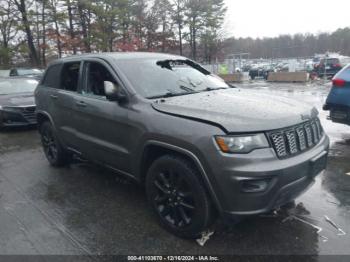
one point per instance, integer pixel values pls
(139, 13)
(214, 15)
(71, 30)
(8, 30)
(22, 8)
(106, 23)
(164, 12)
(194, 19)
(84, 21)
(178, 17)
(57, 18)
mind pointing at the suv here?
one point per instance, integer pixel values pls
(199, 146)
(328, 67)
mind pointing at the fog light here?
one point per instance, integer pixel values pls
(255, 186)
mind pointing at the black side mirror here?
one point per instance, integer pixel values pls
(114, 92)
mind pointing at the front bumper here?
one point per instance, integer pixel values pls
(284, 179)
(338, 113)
(19, 116)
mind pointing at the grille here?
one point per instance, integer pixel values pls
(29, 114)
(294, 140)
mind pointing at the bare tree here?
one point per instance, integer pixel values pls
(8, 30)
(22, 8)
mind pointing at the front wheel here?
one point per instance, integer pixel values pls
(178, 197)
(53, 150)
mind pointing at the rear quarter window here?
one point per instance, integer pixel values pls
(333, 61)
(52, 76)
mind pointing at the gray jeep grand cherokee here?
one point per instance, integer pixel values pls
(199, 146)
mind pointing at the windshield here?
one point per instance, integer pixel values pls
(14, 86)
(22, 71)
(157, 78)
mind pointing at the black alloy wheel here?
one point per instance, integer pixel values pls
(178, 197)
(53, 150)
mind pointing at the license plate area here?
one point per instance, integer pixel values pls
(338, 114)
(318, 164)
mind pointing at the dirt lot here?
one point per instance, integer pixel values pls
(85, 209)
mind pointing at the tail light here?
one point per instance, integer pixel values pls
(337, 65)
(338, 82)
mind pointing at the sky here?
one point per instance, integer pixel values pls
(269, 18)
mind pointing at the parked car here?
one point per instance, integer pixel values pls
(328, 67)
(257, 72)
(199, 147)
(17, 107)
(27, 72)
(338, 100)
(261, 72)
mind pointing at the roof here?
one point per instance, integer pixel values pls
(122, 56)
(10, 78)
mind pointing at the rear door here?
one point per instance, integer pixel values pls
(102, 125)
(46, 94)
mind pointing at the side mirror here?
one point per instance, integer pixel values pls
(114, 92)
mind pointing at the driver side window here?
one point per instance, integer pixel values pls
(95, 76)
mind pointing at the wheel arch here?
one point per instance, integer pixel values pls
(42, 116)
(155, 149)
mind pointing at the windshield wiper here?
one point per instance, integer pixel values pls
(171, 94)
(208, 89)
(188, 89)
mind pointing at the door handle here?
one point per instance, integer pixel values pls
(54, 97)
(81, 104)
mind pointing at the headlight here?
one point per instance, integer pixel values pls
(241, 144)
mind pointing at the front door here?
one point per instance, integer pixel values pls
(102, 125)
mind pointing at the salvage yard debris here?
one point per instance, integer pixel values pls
(341, 231)
(205, 237)
(300, 213)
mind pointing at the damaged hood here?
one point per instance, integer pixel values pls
(236, 110)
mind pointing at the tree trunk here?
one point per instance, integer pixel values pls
(180, 38)
(57, 31)
(71, 27)
(84, 27)
(163, 35)
(58, 37)
(43, 49)
(35, 61)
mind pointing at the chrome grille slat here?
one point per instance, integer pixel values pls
(319, 128)
(294, 140)
(314, 132)
(301, 138)
(280, 144)
(309, 140)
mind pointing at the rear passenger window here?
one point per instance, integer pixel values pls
(70, 76)
(52, 76)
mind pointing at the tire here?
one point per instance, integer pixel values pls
(54, 152)
(178, 197)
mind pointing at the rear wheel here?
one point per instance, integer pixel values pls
(54, 152)
(178, 197)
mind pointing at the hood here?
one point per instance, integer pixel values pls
(21, 99)
(236, 110)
